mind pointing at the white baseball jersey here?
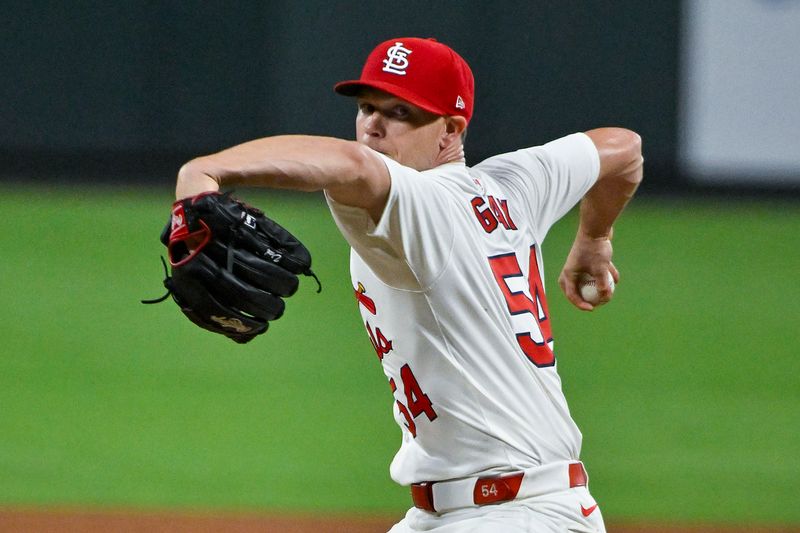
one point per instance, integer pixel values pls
(450, 288)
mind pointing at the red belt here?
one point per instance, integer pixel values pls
(493, 489)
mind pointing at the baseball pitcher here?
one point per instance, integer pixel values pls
(447, 273)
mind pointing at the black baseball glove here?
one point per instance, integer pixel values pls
(231, 265)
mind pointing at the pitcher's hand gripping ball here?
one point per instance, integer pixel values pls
(588, 288)
(231, 265)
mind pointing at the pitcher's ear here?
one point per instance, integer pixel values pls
(455, 124)
(453, 129)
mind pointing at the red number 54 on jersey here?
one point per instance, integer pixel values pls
(417, 402)
(534, 342)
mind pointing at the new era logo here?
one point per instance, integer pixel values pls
(460, 103)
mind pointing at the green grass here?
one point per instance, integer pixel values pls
(686, 387)
(106, 401)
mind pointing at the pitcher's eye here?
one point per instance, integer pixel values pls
(400, 112)
(366, 108)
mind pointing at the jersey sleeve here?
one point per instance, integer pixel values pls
(410, 245)
(551, 178)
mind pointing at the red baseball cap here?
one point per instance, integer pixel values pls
(424, 72)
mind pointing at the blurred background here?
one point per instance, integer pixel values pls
(686, 388)
(103, 88)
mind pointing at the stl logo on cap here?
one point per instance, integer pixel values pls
(396, 61)
(423, 72)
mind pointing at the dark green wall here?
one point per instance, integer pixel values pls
(115, 89)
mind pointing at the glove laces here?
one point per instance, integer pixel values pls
(167, 284)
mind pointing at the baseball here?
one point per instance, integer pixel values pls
(589, 290)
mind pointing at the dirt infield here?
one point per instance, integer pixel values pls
(81, 521)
